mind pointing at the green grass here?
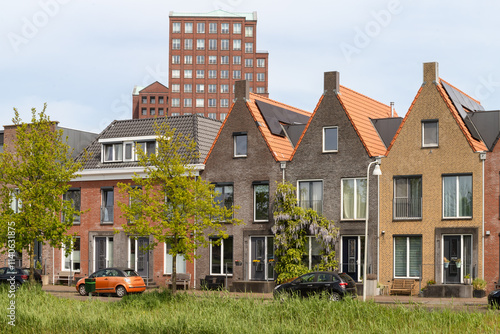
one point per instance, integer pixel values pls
(160, 312)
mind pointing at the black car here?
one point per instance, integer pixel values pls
(17, 276)
(335, 285)
(494, 298)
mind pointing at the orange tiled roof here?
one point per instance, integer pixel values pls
(476, 145)
(361, 110)
(280, 147)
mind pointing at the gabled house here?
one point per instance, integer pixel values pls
(150, 101)
(329, 165)
(248, 157)
(113, 159)
(431, 216)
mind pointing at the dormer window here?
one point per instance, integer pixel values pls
(148, 147)
(125, 149)
(113, 152)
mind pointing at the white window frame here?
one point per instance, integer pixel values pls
(116, 157)
(71, 257)
(167, 264)
(457, 193)
(222, 272)
(235, 136)
(424, 122)
(324, 139)
(407, 255)
(355, 205)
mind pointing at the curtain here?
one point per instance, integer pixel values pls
(317, 196)
(465, 196)
(360, 198)
(348, 199)
(450, 196)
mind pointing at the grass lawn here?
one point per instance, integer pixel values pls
(160, 312)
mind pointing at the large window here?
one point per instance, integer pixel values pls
(430, 133)
(261, 201)
(240, 145)
(212, 44)
(221, 256)
(407, 197)
(312, 258)
(188, 27)
(200, 28)
(176, 27)
(457, 196)
(330, 139)
(311, 195)
(354, 198)
(107, 205)
(180, 266)
(176, 44)
(71, 262)
(212, 28)
(225, 196)
(74, 195)
(407, 256)
(113, 152)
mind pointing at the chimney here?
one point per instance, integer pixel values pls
(331, 82)
(431, 72)
(241, 90)
(392, 109)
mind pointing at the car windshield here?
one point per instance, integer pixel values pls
(130, 272)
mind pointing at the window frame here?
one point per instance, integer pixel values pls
(71, 256)
(255, 186)
(223, 244)
(325, 128)
(237, 154)
(457, 195)
(409, 191)
(355, 196)
(311, 194)
(424, 123)
(105, 191)
(408, 255)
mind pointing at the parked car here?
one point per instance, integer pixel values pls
(21, 276)
(119, 281)
(335, 285)
(494, 298)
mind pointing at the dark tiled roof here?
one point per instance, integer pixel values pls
(203, 131)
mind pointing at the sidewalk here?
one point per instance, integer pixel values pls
(444, 302)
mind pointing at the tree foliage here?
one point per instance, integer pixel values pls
(293, 225)
(169, 202)
(34, 175)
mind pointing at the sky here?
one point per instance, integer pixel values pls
(83, 58)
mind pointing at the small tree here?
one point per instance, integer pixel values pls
(292, 226)
(35, 174)
(169, 202)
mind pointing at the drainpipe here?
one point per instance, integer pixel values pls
(53, 268)
(378, 228)
(482, 156)
(283, 167)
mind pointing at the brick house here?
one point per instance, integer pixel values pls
(329, 166)
(150, 101)
(246, 161)
(101, 241)
(432, 189)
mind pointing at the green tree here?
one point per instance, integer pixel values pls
(34, 175)
(292, 227)
(169, 202)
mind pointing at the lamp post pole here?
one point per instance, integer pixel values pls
(376, 171)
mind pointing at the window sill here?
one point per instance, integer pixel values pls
(430, 146)
(407, 219)
(457, 218)
(106, 223)
(261, 221)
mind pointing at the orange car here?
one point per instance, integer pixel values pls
(114, 280)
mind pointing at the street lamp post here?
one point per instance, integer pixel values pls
(376, 171)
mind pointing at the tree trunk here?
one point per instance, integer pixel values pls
(174, 274)
(31, 253)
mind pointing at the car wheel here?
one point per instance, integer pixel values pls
(81, 290)
(121, 291)
(334, 297)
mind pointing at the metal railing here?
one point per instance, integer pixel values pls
(407, 208)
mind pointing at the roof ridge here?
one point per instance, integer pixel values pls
(461, 91)
(277, 102)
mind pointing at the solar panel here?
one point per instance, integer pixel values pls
(275, 116)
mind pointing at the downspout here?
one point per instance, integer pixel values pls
(53, 268)
(378, 228)
(482, 156)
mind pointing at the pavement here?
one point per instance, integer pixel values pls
(454, 303)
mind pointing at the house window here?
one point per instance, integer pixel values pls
(212, 103)
(240, 145)
(212, 28)
(430, 133)
(107, 203)
(312, 258)
(200, 60)
(144, 111)
(200, 103)
(188, 44)
(237, 74)
(248, 62)
(113, 152)
(176, 59)
(222, 116)
(261, 77)
(188, 103)
(176, 44)
(261, 202)
(407, 256)
(212, 74)
(200, 28)
(152, 111)
(408, 197)
(176, 27)
(248, 47)
(248, 31)
(188, 74)
(71, 262)
(152, 100)
(200, 44)
(200, 74)
(188, 60)
(236, 60)
(176, 74)
(224, 44)
(224, 28)
(144, 99)
(176, 102)
(311, 195)
(188, 88)
(261, 90)
(236, 28)
(354, 198)
(224, 60)
(160, 100)
(457, 196)
(200, 88)
(148, 147)
(224, 74)
(161, 112)
(212, 60)
(212, 115)
(74, 196)
(249, 76)
(188, 27)
(220, 255)
(212, 44)
(224, 103)
(330, 139)
(261, 62)
(212, 88)
(180, 266)
(236, 44)
(224, 88)
(225, 197)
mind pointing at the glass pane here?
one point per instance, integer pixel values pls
(261, 202)
(331, 143)
(151, 147)
(415, 256)
(118, 151)
(216, 258)
(128, 151)
(228, 255)
(465, 196)
(467, 255)
(400, 256)
(348, 199)
(361, 199)
(430, 133)
(304, 194)
(315, 253)
(401, 188)
(450, 196)
(317, 196)
(240, 145)
(270, 257)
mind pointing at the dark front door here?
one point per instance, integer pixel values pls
(100, 253)
(350, 257)
(258, 258)
(142, 257)
(452, 252)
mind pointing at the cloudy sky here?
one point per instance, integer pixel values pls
(84, 57)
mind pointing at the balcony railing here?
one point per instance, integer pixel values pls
(407, 208)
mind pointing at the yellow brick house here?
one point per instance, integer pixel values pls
(431, 189)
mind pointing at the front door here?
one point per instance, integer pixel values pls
(452, 252)
(100, 253)
(142, 257)
(258, 258)
(352, 256)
